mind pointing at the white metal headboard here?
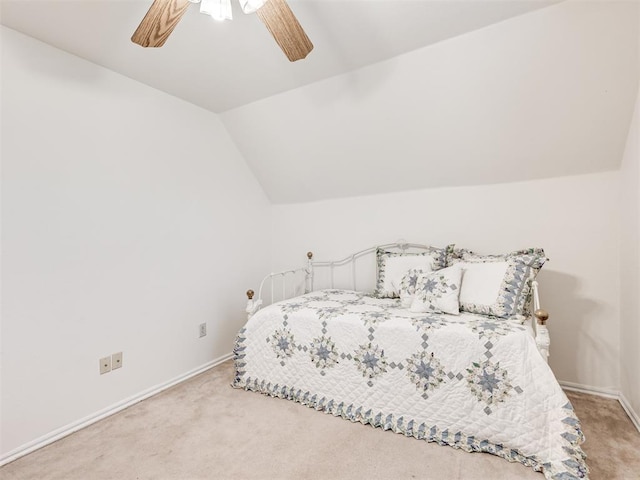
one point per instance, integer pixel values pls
(302, 280)
(351, 260)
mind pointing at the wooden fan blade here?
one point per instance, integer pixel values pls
(285, 28)
(159, 22)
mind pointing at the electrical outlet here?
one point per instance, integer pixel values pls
(116, 360)
(105, 365)
(203, 330)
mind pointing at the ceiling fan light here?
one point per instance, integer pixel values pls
(250, 6)
(218, 9)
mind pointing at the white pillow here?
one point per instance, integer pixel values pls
(499, 289)
(438, 292)
(481, 282)
(394, 268)
(480, 292)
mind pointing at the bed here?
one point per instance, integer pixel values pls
(450, 347)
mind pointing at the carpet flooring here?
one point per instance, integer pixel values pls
(204, 429)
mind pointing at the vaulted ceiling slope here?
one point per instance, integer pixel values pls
(545, 94)
(397, 95)
(220, 66)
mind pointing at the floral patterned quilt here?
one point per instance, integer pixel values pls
(470, 381)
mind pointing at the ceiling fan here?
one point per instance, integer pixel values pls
(164, 15)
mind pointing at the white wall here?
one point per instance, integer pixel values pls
(575, 219)
(127, 220)
(630, 266)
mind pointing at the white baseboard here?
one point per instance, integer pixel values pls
(93, 418)
(85, 422)
(607, 393)
(601, 392)
(627, 408)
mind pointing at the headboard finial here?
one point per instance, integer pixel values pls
(542, 316)
(309, 255)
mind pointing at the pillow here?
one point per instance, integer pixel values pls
(498, 285)
(437, 292)
(392, 266)
(407, 288)
(534, 257)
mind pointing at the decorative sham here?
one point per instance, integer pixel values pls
(438, 292)
(497, 285)
(407, 289)
(533, 257)
(392, 267)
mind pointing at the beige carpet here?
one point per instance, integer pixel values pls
(204, 429)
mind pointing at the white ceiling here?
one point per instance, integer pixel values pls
(221, 66)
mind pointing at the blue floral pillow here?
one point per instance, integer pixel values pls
(438, 292)
(408, 286)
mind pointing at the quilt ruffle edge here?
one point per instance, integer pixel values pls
(573, 467)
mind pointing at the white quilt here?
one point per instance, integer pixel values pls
(469, 381)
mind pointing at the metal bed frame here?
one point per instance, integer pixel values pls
(538, 319)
